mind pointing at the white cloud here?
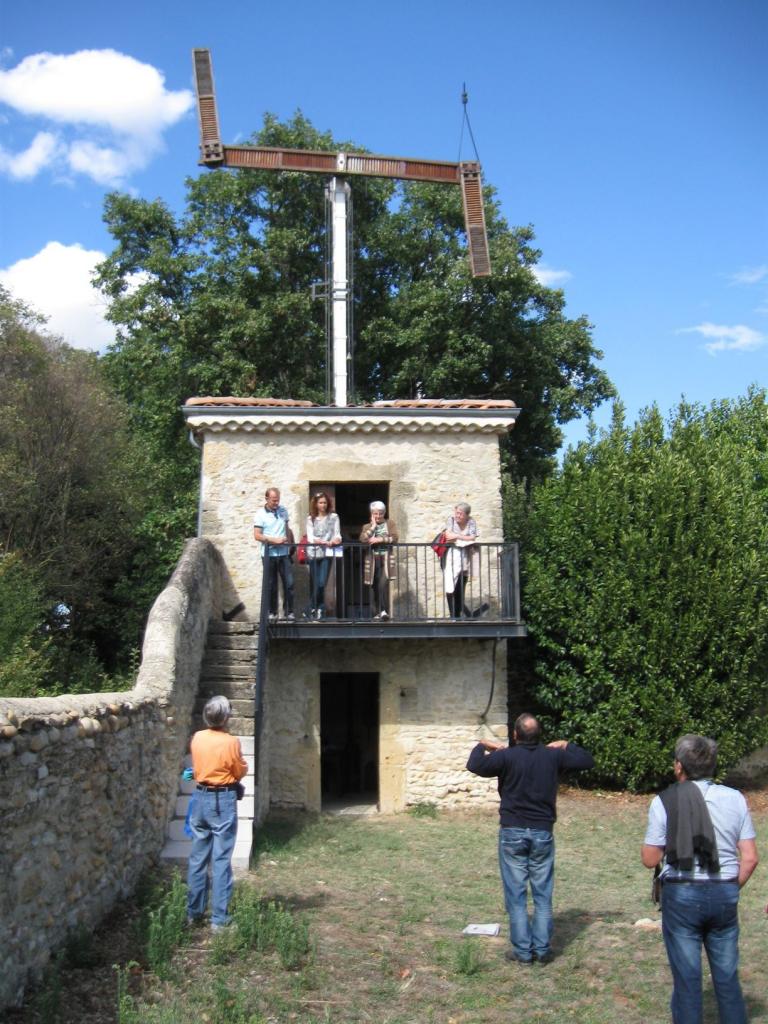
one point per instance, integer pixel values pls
(57, 282)
(113, 108)
(550, 278)
(727, 339)
(750, 275)
(30, 161)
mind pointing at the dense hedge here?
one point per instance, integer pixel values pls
(646, 587)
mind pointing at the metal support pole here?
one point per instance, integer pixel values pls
(339, 192)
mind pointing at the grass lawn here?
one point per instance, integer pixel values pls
(385, 900)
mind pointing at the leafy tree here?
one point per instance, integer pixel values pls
(218, 301)
(646, 587)
(70, 481)
(24, 650)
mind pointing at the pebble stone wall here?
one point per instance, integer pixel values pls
(87, 782)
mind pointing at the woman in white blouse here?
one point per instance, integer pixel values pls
(323, 538)
(461, 559)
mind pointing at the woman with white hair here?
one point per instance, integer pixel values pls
(379, 565)
(218, 765)
(462, 559)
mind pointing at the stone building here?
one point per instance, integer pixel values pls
(356, 710)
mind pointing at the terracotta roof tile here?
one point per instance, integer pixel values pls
(269, 403)
(445, 403)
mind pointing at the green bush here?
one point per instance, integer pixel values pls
(24, 648)
(646, 588)
(263, 926)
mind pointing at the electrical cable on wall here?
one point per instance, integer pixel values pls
(493, 681)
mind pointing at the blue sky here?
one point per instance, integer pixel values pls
(631, 135)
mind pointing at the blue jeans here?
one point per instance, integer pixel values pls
(214, 828)
(696, 913)
(527, 855)
(319, 569)
(280, 565)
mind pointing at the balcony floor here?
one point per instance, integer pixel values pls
(394, 629)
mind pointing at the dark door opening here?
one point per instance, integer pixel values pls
(350, 599)
(349, 737)
(352, 501)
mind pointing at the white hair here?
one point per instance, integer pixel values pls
(377, 506)
(217, 712)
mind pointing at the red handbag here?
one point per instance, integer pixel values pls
(301, 551)
(439, 544)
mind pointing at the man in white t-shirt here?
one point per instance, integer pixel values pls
(270, 528)
(704, 835)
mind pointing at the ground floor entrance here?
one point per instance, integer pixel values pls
(349, 739)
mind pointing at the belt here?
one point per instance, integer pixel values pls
(697, 881)
(216, 789)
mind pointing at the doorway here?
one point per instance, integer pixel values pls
(349, 738)
(347, 595)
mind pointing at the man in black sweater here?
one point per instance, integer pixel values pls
(528, 774)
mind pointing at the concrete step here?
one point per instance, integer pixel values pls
(176, 831)
(239, 725)
(232, 642)
(241, 708)
(245, 809)
(226, 656)
(242, 726)
(234, 671)
(176, 851)
(234, 689)
(217, 627)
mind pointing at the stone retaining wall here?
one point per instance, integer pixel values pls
(88, 782)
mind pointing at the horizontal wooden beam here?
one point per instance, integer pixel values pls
(268, 158)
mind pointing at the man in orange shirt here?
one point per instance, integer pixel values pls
(218, 765)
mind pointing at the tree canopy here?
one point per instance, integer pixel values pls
(218, 301)
(646, 587)
(70, 493)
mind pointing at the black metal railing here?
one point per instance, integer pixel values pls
(477, 581)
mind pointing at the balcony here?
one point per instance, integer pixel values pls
(418, 603)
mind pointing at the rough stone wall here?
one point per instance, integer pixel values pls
(431, 696)
(88, 782)
(427, 475)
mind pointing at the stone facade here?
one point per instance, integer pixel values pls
(430, 692)
(88, 782)
(429, 463)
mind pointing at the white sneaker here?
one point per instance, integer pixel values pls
(383, 615)
(272, 617)
(290, 617)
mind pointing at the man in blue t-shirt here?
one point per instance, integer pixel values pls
(528, 774)
(270, 528)
(704, 834)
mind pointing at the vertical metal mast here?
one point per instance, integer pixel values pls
(339, 193)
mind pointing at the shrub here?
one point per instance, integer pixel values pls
(646, 588)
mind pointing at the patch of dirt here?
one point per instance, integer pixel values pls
(87, 993)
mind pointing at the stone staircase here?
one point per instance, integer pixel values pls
(229, 669)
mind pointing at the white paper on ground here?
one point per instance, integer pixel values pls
(482, 929)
